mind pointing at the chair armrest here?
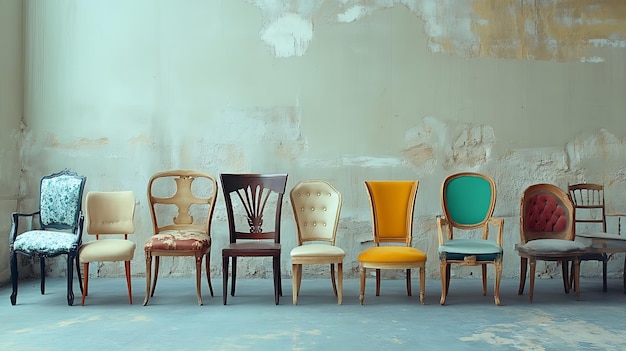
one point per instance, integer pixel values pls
(498, 222)
(441, 223)
(79, 232)
(15, 222)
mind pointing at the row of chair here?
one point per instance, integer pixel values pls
(180, 199)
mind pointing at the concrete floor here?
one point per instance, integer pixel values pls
(174, 321)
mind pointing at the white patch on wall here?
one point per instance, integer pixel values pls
(288, 25)
(288, 35)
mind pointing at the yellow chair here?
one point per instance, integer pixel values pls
(392, 204)
(468, 200)
(316, 207)
(108, 214)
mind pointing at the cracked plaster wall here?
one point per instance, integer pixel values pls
(339, 90)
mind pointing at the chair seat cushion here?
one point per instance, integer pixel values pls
(107, 250)
(179, 240)
(470, 246)
(317, 250)
(392, 254)
(551, 245)
(45, 241)
(459, 249)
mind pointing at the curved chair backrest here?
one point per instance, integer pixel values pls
(546, 212)
(110, 212)
(60, 200)
(254, 191)
(468, 199)
(187, 191)
(316, 208)
(392, 204)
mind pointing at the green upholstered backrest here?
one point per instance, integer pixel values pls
(468, 199)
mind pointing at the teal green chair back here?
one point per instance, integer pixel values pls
(468, 199)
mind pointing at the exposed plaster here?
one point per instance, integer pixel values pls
(562, 31)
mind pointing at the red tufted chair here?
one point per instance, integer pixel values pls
(547, 234)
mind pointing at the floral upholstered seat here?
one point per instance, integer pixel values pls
(60, 228)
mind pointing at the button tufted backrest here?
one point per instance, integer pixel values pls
(316, 207)
(546, 212)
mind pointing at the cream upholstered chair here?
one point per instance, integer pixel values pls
(316, 207)
(109, 214)
(392, 204)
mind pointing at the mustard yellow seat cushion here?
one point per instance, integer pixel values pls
(317, 250)
(107, 250)
(392, 254)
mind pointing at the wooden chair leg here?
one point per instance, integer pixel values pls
(128, 284)
(42, 270)
(362, 285)
(332, 278)
(294, 283)
(198, 258)
(604, 271)
(233, 273)
(565, 274)
(148, 277)
(496, 290)
(577, 277)
(408, 282)
(422, 284)
(70, 280)
(80, 281)
(448, 275)
(208, 272)
(531, 273)
(277, 288)
(85, 283)
(443, 271)
(157, 260)
(225, 260)
(484, 272)
(522, 275)
(14, 277)
(377, 282)
(339, 283)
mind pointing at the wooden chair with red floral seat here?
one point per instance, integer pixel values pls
(392, 205)
(187, 199)
(547, 234)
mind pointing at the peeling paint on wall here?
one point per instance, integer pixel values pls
(563, 31)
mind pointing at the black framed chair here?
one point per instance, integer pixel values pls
(253, 236)
(59, 229)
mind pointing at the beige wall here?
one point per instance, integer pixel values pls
(337, 90)
(11, 102)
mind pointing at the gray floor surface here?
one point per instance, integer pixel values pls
(251, 321)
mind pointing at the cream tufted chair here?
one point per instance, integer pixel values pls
(316, 207)
(109, 214)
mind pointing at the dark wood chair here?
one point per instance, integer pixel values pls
(60, 228)
(547, 234)
(250, 235)
(590, 211)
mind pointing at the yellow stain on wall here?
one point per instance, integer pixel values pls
(561, 30)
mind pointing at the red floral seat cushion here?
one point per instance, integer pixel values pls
(179, 240)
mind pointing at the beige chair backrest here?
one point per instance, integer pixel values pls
(110, 212)
(316, 207)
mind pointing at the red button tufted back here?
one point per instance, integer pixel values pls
(545, 213)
